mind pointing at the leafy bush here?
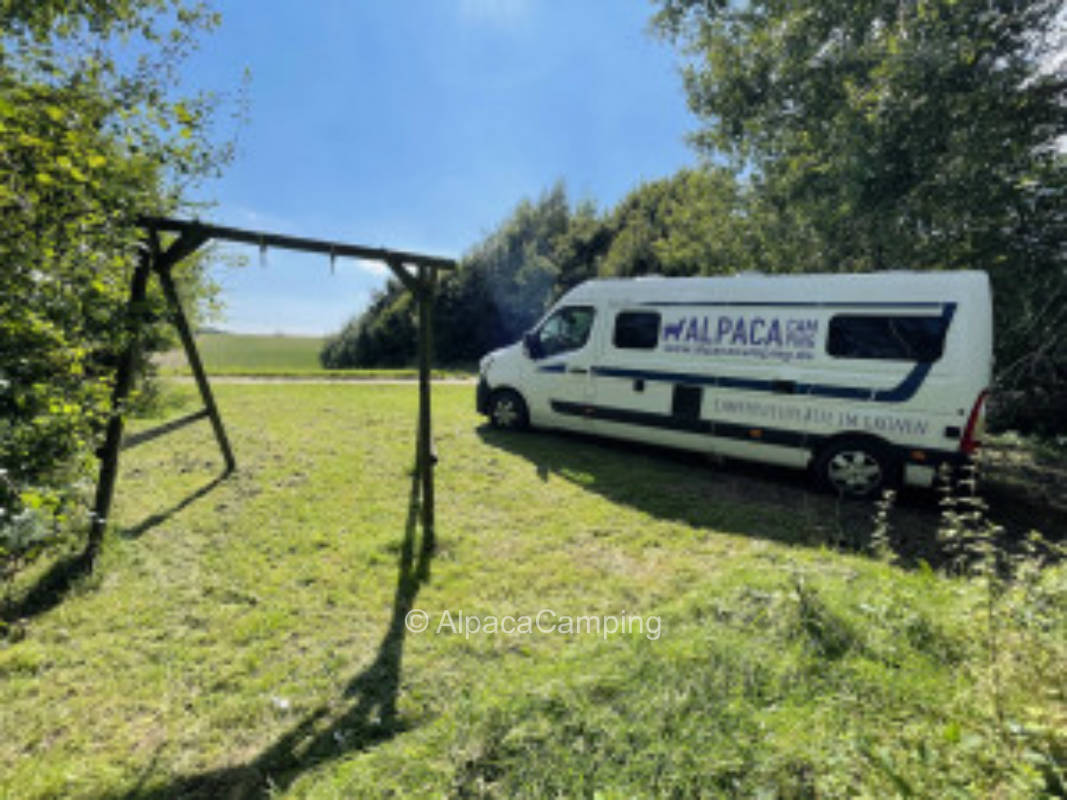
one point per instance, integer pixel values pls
(85, 148)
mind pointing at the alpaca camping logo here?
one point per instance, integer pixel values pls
(752, 336)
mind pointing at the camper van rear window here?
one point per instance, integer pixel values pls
(891, 338)
(636, 330)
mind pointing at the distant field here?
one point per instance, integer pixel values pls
(278, 356)
(233, 352)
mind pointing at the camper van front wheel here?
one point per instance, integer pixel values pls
(854, 468)
(507, 410)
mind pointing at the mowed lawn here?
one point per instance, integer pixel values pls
(246, 637)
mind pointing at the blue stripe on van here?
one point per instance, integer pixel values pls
(558, 367)
(791, 304)
(900, 393)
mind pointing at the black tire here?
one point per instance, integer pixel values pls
(507, 411)
(856, 468)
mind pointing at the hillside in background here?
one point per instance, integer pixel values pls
(239, 352)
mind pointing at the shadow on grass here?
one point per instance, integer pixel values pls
(152, 520)
(49, 589)
(53, 586)
(747, 498)
(365, 715)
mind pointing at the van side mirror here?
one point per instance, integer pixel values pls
(532, 344)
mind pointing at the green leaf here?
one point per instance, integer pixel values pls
(26, 140)
(182, 113)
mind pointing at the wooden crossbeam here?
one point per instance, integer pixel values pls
(186, 244)
(324, 246)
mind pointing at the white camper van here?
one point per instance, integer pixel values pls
(865, 379)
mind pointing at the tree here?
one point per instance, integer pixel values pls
(582, 247)
(499, 290)
(692, 223)
(918, 134)
(86, 145)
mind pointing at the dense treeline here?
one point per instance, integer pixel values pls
(890, 135)
(544, 248)
(904, 135)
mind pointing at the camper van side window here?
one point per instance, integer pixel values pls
(567, 329)
(899, 338)
(636, 330)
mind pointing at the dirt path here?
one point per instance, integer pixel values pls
(220, 379)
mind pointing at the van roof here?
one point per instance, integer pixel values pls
(932, 286)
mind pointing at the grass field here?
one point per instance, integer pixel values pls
(233, 352)
(258, 356)
(245, 637)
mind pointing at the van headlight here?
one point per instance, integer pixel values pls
(484, 364)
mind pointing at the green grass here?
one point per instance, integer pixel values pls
(248, 353)
(254, 356)
(367, 374)
(246, 638)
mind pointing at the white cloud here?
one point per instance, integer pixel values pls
(373, 267)
(259, 221)
(367, 266)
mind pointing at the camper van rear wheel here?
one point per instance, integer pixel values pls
(854, 468)
(507, 410)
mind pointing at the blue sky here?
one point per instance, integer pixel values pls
(420, 125)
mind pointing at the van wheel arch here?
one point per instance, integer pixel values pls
(508, 409)
(856, 465)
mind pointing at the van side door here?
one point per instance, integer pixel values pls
(641, 392)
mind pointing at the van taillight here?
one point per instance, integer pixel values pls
(972, 434)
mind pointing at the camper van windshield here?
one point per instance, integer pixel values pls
(567, 329)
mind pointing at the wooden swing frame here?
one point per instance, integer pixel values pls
(190, 236)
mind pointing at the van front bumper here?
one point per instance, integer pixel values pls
(481, 396)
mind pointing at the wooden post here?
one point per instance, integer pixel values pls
(424, 295)
(191, 353)
(109, 453)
